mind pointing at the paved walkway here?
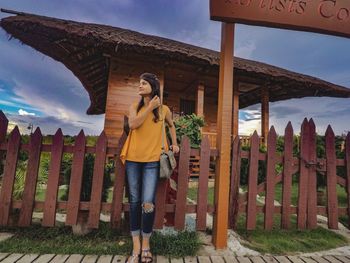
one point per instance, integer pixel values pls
(76, 258)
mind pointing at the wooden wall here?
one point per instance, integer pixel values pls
(122, 92)
(123, 88)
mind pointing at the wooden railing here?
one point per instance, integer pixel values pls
(11, 146)
(245, 140)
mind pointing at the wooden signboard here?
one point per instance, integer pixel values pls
(330, 17)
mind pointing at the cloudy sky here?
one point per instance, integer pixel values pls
(36, 89)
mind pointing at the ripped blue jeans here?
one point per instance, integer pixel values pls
(142, 180)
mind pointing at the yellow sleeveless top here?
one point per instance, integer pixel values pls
(144, 144)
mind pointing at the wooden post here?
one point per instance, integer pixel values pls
(264, 113)
(235, 110)
(200, 100)
(223, 142)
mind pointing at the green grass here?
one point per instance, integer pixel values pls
(341, 193)
(192, 194)
(278, 241)
(294, 193)
(60, 240)
(40, 194)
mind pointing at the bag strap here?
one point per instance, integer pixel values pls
(163, 128)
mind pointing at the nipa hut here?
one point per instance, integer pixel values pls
(108, 61)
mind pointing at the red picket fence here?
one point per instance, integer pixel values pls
(10, 148)
(307, 164)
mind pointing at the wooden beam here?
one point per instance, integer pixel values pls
(223, 142)
(264, 113)
(96, 75)
(93, 67)
(88, 61)
(200, 100)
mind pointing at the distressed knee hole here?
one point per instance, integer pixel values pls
(148, 207)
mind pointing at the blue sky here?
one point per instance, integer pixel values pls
(36, 89)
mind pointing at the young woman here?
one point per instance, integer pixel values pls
(141, 154)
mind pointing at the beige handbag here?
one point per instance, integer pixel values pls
(167, 159)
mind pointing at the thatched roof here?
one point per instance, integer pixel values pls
(82, 48)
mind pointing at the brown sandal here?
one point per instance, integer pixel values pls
(134, 258)
(146, 256)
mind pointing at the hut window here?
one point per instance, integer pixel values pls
(187, 106)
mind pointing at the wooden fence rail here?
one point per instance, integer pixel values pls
(11, 147)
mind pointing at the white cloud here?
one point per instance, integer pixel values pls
(8, 103)
(248, 127)
(13, 104)
(246, 50)
(49, 124)
(22, 112)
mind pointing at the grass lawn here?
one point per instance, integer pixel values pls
(278, 241)
(341, 193)
(60, 240)
(107, 241)
(289, 241)
(340, 190)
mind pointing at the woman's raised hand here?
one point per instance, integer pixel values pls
(175, 148)
(155, 102)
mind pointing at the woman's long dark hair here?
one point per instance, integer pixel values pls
(155, 85)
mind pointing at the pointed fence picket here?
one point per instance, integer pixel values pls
(312, 185)
(332, 201)
(202, 195)
(117, 202)
(12, 151)
(304, 175)
(253, 181)
(270, 178)
(234, 183)
(28, 198)
(287, 175)
(76, 178)
(182, 184)
(49, 216)
(97, 181)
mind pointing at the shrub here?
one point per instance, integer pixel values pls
(189, 125)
